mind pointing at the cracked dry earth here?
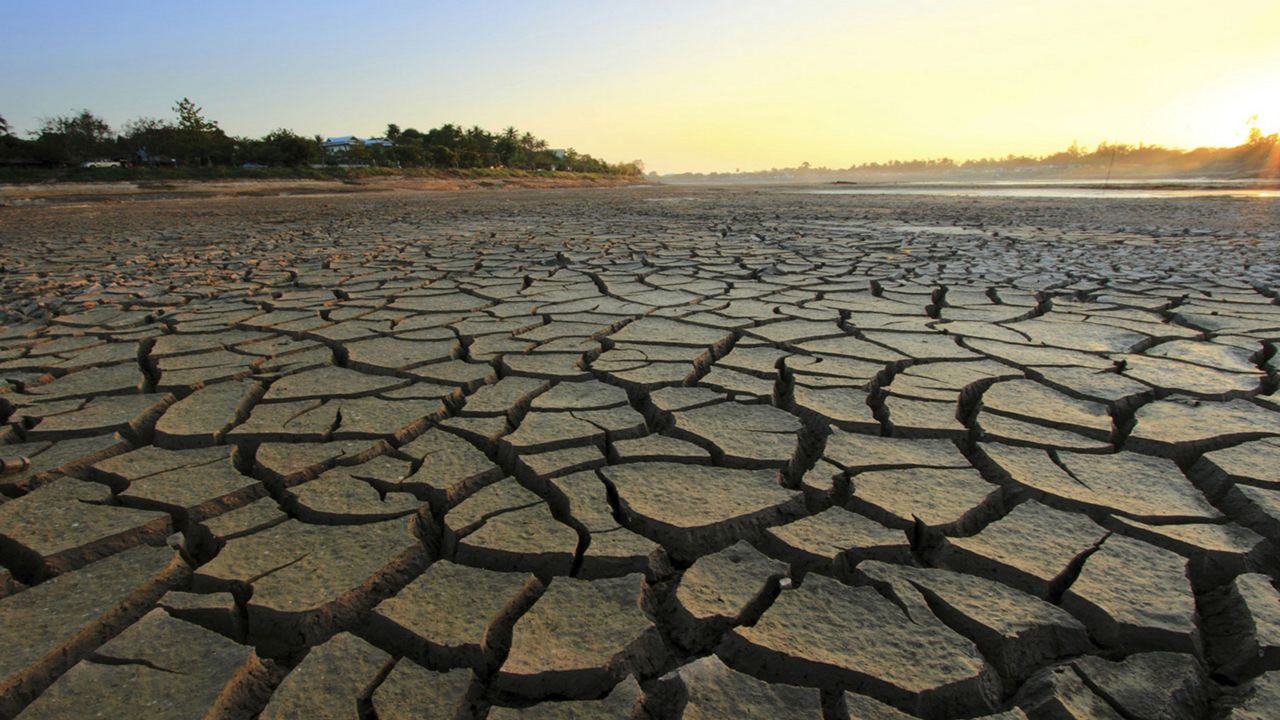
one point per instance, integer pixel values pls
(640, 454)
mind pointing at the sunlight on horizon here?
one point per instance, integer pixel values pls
(698, 86)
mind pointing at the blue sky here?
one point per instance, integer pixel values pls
(697, 84)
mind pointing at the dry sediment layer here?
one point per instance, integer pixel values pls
(640, 453)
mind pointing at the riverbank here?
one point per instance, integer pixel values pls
(117, 185)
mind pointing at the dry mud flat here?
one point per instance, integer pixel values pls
(640, 453)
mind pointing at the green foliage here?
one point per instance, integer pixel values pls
(192, 139)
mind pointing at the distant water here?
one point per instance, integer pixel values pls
(1123, 189)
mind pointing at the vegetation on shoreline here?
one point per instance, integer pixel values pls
(195, 147)
(1257, 157)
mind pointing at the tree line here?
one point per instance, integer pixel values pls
(1257, 157)
(190, 138)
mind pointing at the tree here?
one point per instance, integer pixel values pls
(285, 147)
(199, 139)
(4, 127)
(191, 117)
(393, 131)
(73, 138)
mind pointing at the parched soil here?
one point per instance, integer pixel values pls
(295, 451)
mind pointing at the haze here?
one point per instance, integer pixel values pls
(685, 86)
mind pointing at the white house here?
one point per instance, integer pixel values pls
(343, 144)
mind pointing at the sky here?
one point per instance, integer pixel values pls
(684, 85)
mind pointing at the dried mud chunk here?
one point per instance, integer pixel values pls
(1149, 686)
(1261, 699)
(830, 635)
(721, 590)
(835, 540)
(66, 524)
(1140, 486)
(855, 451)
(692, 509)
(657, 448)
(1029, 401)
(506, 527)
(669, 332)
(743, 435)
(129, 415)
(504, 396)
(1254, 507)
(387, 354)
(1135, 596)
(45, 458)
(923, 418)
(1060, 693)
(328, 383)
(49, 627)
(449, 468)
(1251, 463)
(339, 497)
(1179, 426)
(1217, 551)
(307, 579)
(843, 407)
(257, 515)
(622, 703)
(195, 484)
(713, 691)
(1242, 621)
(453, 615)
(412, 692)
(612, 549)
(1017, 632)
(202, 418)
(589, 395)
(287, 464)
(329, 682)
(159, 668)
(1030, 548)
(580, 639)
(94, 382)
(947, 501)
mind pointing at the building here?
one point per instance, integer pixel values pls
(343, 144)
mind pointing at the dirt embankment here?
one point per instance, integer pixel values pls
(118, 191)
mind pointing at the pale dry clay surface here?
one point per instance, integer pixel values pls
(640, 453)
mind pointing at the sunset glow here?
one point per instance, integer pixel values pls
(695, 86)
